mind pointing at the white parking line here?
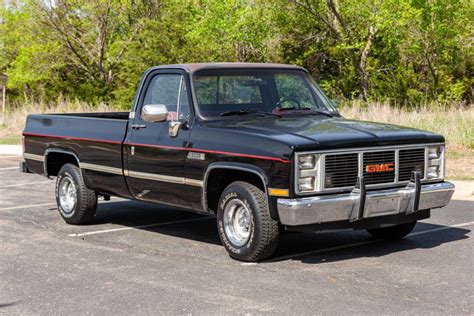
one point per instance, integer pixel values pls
(25, 206)
(113, 230)
(362, 243)
(1, 157)
(10, 168)
(22, 184)
(441, 228)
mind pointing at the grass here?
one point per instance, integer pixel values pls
(455, 122)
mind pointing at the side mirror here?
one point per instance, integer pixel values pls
(154, 113)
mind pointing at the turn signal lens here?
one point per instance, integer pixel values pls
(306, 162)
(278, 192)
(306, 184)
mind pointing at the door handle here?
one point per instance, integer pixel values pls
(138, 126)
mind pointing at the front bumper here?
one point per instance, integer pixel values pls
(348, 206)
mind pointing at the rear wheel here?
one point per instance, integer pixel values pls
(245, 227)
(76, 203)
(392, 232)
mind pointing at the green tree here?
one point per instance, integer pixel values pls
(439, 43)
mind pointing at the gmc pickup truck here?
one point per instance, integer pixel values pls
(258, 145)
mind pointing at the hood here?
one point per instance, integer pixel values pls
(314, 132)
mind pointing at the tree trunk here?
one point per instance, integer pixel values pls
(4, 104)
(29, 93)
(363, 75)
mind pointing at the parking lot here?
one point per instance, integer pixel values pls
(140, 258)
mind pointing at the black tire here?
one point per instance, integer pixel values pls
(392, 232)
(85, 201)
(263, 230)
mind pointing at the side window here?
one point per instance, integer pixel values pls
(170, 90)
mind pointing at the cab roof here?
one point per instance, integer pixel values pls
(191, 68)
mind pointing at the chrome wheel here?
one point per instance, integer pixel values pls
(67, 195)
(237, 223)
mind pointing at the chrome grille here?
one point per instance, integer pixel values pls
(341, 170)
(377, 158)
(411, 160)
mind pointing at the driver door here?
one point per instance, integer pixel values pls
(155, 160)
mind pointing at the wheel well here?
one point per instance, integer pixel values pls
(219, 179)
(56, 160)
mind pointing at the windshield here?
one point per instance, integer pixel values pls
(243, 91)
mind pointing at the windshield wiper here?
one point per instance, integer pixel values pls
(238, 112)
(306, 110)
(245, 112)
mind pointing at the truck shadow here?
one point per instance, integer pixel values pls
(342, 246)
(304, 247)
(159, 219)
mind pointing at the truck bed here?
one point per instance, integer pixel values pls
(95, 139)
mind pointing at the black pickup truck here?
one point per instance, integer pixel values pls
(259, 145)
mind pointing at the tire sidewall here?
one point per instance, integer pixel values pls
(236, 192)
(67, 171)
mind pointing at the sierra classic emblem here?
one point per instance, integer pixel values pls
(381, 167)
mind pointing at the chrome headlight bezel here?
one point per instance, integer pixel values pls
(307, 167)
(435, 162)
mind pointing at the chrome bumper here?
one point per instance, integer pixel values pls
(348, 207)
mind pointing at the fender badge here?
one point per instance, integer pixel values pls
(196, 156)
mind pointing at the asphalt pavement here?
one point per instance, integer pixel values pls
(139, 258)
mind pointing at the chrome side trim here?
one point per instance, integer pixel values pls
(194, 182)
(142, 175)
(339, 207)
(100, 168)
(33, 157)
(156, 177)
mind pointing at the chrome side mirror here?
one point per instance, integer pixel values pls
(154, 113)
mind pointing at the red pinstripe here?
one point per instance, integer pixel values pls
(162, 146)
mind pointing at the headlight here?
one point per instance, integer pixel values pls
(435, 167)
(306, 162)
(434, 152)
(306, 184)
(433, 172)
(307, 171)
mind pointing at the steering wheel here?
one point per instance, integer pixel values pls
(284, 100)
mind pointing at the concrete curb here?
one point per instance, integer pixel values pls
(14, 150)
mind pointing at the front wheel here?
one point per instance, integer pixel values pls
(392, 232)
(245, 227)
(76, 203)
